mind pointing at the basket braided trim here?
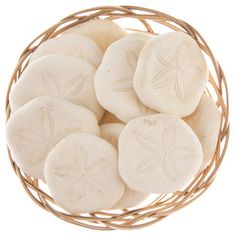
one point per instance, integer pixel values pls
(163, 205)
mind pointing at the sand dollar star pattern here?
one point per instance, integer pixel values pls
(163, 154)
(79, 174)
(173, 69)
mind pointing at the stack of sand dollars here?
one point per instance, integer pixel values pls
(106, 118)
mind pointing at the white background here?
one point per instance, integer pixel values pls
(214, 212)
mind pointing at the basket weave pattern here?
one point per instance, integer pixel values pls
(163, 205)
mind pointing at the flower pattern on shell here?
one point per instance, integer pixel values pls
(47, 136)
(70, 90)
(163, 154)
(126, 84)
(79, 174)
(173, 69)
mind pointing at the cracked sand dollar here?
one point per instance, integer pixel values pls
(83, 179)
(205, 122)
(158, 154)
(74, 45)
(111, 132)
(171, 74)
(114, 78)
(61, 76)
(34, 129)
(103, 32)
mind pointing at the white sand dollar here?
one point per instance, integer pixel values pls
(130, 198)
(74, 45)
(109, 118)
(103, 32)
(61, 76)
(158, 154)
(205, 122)
(171, 74)
(83, 179)
(34, 129)
(114, 78)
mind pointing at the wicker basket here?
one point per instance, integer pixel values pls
(163, 205)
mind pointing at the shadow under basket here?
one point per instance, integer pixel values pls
(154, 22)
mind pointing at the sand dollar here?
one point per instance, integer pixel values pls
(171, 74)
(35, 128)
(61, 76)
(114, 78)
(103, 32)
(205, 122)
(74, 45)
(83, 179)
(130, 198)
(158, 154)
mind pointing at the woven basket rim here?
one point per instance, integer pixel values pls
(163, 205)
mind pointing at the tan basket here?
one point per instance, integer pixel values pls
(163, 205)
